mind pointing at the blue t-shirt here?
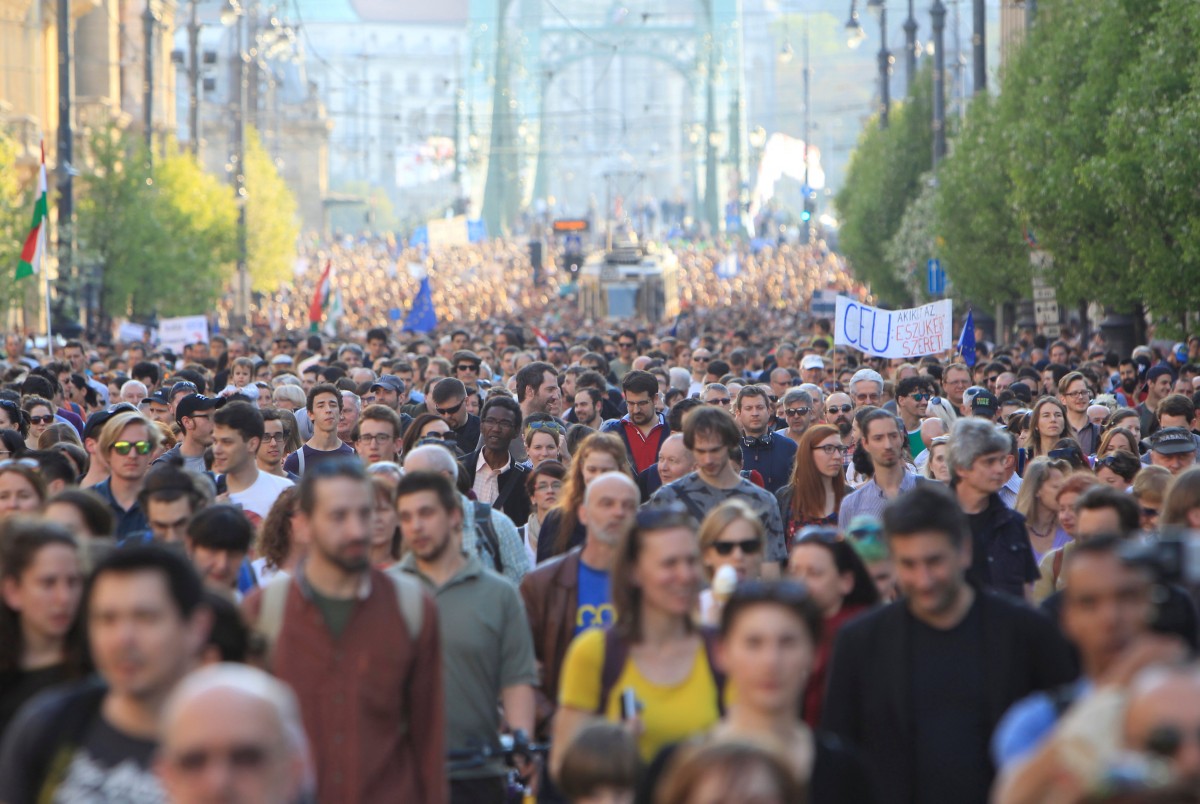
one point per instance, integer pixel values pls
(593, 608)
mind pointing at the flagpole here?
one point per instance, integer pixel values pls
(46, 292)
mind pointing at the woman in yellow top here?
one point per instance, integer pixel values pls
(655, 580)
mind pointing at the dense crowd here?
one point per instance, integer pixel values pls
(724, 561)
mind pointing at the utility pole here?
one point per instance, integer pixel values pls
(885, 68)
(910, 46)
(979, 43)
(65, 153)
(241, 302)
(938, 13)
(807, 103)
(194, 80)
(148, 90)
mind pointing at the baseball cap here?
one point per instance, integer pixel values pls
(812, 362)
(1181, 352)
(95, 423)
(1173, 441)
(467, 356)
(280, 359)
(192, 404)
(1159, 371)
(391, 382)
(1022, 392)
(159, 397)
(984, 402)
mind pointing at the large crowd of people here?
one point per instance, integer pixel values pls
(703, 561)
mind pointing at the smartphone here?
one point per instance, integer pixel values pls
(629, 704)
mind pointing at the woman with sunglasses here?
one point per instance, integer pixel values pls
(427, 425)
(22, 489)
(768, 640)
(12, 418)
(561, 530)
(653, 668)
(840, 585)
(41, 637)
(1037, 501)
(40, 413)
(732, 535)
(544, 485)
(818, 482)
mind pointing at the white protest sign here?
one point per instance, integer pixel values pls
(448, 231)
(176, 333)
(919, 331)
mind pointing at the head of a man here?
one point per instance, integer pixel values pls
(499, 422)
(1162, 718)
(609, 506)
(537, 388)
(930, 543)
(1073, 391)
(882, 438)
(798, 410)
(218, 539)
(1159, 381)
(839, 411)
(146, 621)
(674, 459)
(1174, 449)
(194, 414)
(237, 433)
(866, 387)
(324, 406)
(1102, 510)
(170, 497)
(430, 514)
(336, 502)
(640, 390)
(710, 433)
(977, 455)
(587, 403)
(448, 400)
(912, 397)
(752, 410)
(127, 442)
(376, 437)
(389, 390)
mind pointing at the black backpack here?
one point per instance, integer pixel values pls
(487, 541)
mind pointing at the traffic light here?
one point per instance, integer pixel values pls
(810, 206)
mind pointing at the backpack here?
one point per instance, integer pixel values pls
(409, 597)
(487, 540)
(616, 654)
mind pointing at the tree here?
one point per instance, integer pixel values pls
(162, 235)
(882, 179)
(915, 241)
(272, 225)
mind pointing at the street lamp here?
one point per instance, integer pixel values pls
(885, 61)
(938, 13)
(855, 35)
(234, 14)
(910, 46)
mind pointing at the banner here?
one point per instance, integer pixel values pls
(916, 332)
(176, 333)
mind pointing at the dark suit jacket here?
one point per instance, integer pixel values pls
(513, 498)
(550, 593)
(868, 701)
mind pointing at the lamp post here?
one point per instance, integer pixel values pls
(235, 14)
(148, 21)
(910, 46)
(979, 44)
(194, 81)
(938, 13)
(885, 62)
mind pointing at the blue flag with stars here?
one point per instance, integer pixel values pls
(966, 341)
(421, 316)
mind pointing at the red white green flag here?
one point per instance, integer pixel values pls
(321, 297)
(31, 252)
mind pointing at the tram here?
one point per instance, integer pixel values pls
(630, 281)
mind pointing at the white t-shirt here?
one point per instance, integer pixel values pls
(259, 498)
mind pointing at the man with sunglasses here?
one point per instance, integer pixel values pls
(912, 403)
(194, 414)
(798, 411)
(700, 360)
(126, 442)
(622, 364)
(466, 366)
(839, 412)
(1074, 393)
(448, 399)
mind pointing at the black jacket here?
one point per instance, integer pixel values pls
(1001, 558)
(513, 498)
(868, 701)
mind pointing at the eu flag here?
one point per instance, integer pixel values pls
(966, 341)
(421, 316)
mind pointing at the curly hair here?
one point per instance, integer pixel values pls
(275, 541)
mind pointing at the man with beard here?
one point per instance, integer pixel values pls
(487, 650)
(839, 411)
(588, 402)
(362, 698)
(642, 429)
(882, 438)
(570, 593)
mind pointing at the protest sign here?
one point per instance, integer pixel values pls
(915, 332)
(176, 333)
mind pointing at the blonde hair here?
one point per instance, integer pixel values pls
(722, 517)
(117, 424)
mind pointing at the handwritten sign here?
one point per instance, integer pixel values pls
(915, 332)
(176, 333)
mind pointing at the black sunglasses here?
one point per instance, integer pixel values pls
(451, 410)
(842, 409)
(1165, 741)
(748, 547)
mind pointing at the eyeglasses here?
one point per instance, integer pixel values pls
(748, 547)
(832, 449)
(501, 424)
(835, 409)
(41, 419)
(123, 447)
(872, 398)
(722, 402)
(1078, 394)
(1149, 513)
(28, 463)
(467, 367)
(700, 359)
(240, 758)
(378, 438)
(919, 397)
(796, 411)
(1165, 741)
(448, 435)
(278, 438)
(554, 486)
(451, 410)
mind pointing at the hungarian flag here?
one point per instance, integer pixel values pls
(321, 297)
(31, 252)
(542, 340)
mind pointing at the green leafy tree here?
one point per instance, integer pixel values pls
(882, 179)
(272, 224)
(915, 241)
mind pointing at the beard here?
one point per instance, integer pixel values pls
(844, 427)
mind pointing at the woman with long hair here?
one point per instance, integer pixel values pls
(561, 530)
(22, 489)
(544, 485)
(278, 550)
(936, 467)
(818, 483)
(427, 425)
(40, 414)
(840, 585)
(732, 535)
(41, 636)
(1181, 507)
(664, 676)
(1037, 501)
(1128, 419)
(1116, 438)
(385, 523)
(1047, 424)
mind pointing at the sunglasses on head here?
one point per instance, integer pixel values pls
(123, 447)
(28, 463)
(555, 426)
(818, 534)
(1064, 454)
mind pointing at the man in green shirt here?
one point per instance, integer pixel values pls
(912, 403)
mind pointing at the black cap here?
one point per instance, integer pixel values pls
(984, 402)
(192, 404)
(1173, 441)
(95, 422)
